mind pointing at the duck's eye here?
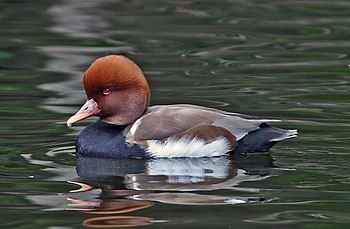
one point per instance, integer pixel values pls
(107, 91)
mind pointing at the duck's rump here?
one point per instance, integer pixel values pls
(263, 139)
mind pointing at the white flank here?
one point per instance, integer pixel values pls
(186, 147)
(134, 127)
(286, 135)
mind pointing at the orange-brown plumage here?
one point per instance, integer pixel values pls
(114, 72)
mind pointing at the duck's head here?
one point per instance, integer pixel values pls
(116, 91)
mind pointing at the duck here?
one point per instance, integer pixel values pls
(118, 93)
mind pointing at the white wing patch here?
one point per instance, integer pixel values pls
(187, 147)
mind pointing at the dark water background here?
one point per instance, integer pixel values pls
(275, 59)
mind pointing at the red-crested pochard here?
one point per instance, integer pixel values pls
(118, 93)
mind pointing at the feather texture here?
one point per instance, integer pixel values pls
(187, 147)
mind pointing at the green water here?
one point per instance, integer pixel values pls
(286, 60)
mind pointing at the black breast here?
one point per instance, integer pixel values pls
(106, 140)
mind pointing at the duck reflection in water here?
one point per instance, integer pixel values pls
(183, 174)
(126, 185)
(109, 187)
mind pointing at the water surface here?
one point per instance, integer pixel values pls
(275, 59)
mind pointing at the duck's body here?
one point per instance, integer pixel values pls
(164, 131)
(130, 129)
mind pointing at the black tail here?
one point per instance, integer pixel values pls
(263, 139)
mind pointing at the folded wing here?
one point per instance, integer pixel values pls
(161, 122)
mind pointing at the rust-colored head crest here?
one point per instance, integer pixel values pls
(113, 72)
